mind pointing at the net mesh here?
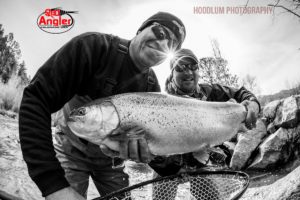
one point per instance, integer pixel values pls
(188, 187)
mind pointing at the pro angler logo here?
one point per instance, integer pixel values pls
(56, 20)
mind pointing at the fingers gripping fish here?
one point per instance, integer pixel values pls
(171, 124)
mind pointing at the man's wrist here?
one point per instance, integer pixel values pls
(255, 107)
(57, 194)
(253, 99)
(67, 193)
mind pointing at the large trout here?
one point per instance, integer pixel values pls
(172, 124)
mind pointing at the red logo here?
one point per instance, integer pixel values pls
(56, 20)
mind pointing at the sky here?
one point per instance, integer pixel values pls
(263, 45)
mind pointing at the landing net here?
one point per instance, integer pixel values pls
(211, 185)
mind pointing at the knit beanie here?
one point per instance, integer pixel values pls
(170, 21)
(183, 55)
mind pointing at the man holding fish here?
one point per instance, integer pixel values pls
(184, 81)
(88, 67)
(172, 126)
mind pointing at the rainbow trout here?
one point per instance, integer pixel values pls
(172, 124)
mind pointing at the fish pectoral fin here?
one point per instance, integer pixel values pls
(202, 155)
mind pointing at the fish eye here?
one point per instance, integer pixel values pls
(81, 111)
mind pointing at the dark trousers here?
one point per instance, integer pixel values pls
(89, 161)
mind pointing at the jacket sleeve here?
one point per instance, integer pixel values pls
(217, 92)
(165, 166)
(56, 82)
(153, 84)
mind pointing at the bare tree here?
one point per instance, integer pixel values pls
(290, 6)
(214, 69)
(293, 87)
(250, 82)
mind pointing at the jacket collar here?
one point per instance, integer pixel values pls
(197, 93)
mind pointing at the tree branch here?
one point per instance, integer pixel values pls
(246, 3)
(280, 6)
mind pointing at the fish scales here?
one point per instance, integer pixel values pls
(174, 124)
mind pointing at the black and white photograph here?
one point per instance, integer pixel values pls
(150, 100)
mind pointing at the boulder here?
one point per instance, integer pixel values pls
(230, 146)
(277, 148)
(297, 97)
(269, 111)
(14, 180)
(8, 113)
(271, 128)
(15, 183)
(247, 143)
(286, 115)
(286, 188)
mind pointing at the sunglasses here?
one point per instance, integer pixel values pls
(182, 68)
(162, 33)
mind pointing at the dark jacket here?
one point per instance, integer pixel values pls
(75, 69)
(165, 166)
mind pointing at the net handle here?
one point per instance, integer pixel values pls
(182, 175)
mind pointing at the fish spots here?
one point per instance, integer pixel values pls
(174, 120)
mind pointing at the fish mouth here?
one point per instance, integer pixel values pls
(71, 119)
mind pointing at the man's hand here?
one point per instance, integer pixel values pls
(133, 146)
(65, 194)
(252, 113)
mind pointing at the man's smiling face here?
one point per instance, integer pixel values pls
(153, 43)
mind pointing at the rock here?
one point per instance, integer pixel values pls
(230, 146)
(14, 180)
(247, 143)
(8, 113)
(297, 97)
(217, 156)
(286, 115)
(6, 196)
(283, 189)
(269, 111)
(278, 147)
(271, 128)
